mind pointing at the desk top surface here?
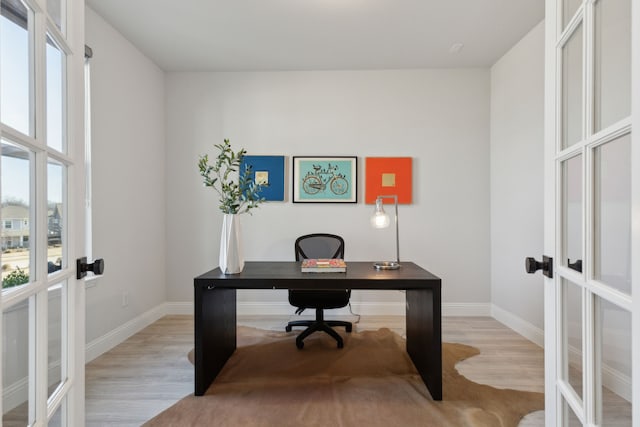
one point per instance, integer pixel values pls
(287, 275)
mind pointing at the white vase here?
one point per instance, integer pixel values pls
(231, 257)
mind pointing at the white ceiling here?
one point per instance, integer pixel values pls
(239, 35)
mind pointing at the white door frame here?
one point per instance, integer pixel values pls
(76, 107)
(552, 247)
(71, 41)
(635, 206)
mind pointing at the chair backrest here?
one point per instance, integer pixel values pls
(319, 245)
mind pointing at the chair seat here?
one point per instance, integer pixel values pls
(319, 299)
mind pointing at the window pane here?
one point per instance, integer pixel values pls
(15, 90)
(612, 71)
(55, 216)
(55, 112)
(572, 335)
(572, 211)
(570, 419)
(16, 219)
(56, 324)
(612, 216)
(59, 417)
(614, 326)
(15, 364)
(572, 89)
(55, 12)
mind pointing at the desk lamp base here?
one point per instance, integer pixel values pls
(386, 265)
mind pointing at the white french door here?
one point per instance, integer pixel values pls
(592, 209)
(42, 212)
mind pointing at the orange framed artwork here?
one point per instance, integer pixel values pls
(386, 176)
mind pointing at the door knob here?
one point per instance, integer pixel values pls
(531, 265)
(97, 267)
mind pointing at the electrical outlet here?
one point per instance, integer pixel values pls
(125, 298)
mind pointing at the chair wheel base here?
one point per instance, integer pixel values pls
(318, 325)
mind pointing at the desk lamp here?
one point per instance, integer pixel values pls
(380, 219)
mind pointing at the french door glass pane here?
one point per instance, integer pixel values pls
(15, 364)
(58, 417)
(569, 8)
(612, 72)
(572, 210)
(54, 9)
(570, 418)
(56, 327)
(55, 216)
(612, 213)
(614, 329)
(572, 335)
(15, 230)
(572, 89)
(15, 54)
(55, 112)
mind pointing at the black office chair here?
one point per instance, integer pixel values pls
(319, 245)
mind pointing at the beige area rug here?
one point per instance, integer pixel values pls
(370, 382)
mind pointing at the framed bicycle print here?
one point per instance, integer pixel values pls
(325, 179)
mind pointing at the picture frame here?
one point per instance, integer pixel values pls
(325, 179)
(267, 169)
(388, 176)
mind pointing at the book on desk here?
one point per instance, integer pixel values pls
(323, 265)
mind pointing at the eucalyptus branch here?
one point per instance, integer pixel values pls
(238, 192)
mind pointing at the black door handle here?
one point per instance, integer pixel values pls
(577, 266)
(97, 267)
(531, 265)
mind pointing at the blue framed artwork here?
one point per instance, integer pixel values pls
(325, 179)
(267, 170)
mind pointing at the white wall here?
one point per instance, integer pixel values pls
(517, 143)
(438, 117)
(127, 108)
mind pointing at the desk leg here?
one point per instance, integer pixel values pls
(214, 335)
(424, 336)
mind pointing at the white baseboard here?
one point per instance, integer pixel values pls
(111, 339)
(17, 393)
(617, 382)
(521, 326)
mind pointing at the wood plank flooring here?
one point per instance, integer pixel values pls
(150, 372)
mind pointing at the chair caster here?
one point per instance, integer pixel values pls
(287, 328)
(300, 344)
(348, 328)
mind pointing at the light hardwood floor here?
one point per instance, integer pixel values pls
(150, 372)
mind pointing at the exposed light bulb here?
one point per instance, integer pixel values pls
(379, 219)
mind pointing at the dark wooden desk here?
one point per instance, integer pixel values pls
(215, 310)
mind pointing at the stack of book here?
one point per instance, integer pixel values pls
(324, 265)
